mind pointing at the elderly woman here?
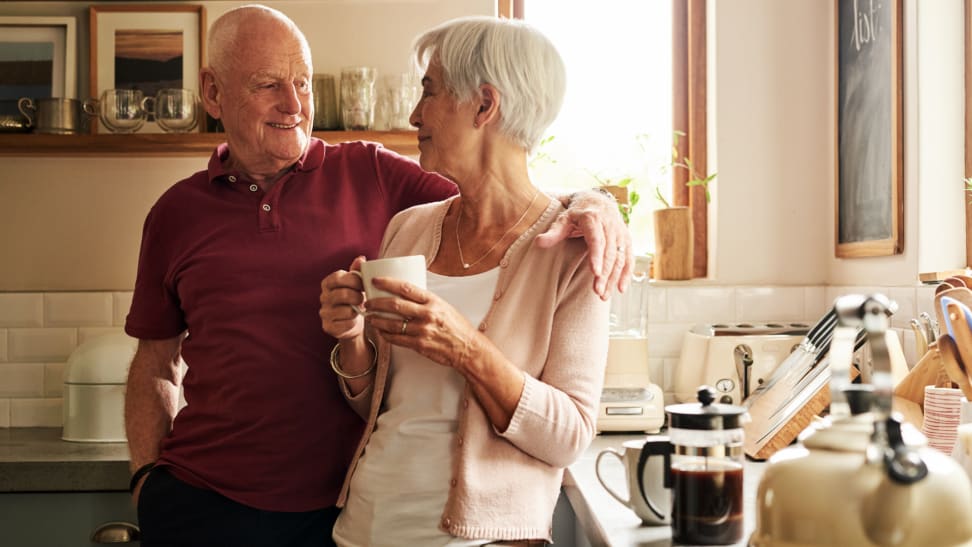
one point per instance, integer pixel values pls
(485, 386)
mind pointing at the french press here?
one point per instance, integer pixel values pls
(704, 470)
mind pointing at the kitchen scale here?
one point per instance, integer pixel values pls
(630, 401)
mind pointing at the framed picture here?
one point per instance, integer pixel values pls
(146, 47)
(869, 156)
(38, 59)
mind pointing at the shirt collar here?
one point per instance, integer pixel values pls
(311, 159)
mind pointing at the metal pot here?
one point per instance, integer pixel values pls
(54, 115)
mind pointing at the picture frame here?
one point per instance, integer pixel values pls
(38, 59)
(145, 47)
(869, 213)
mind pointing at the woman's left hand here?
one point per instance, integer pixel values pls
(422, 322)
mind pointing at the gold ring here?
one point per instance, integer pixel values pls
(404, 324)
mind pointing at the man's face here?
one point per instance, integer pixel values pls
(266, 102)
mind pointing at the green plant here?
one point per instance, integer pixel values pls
(633, 196)
(685, 163)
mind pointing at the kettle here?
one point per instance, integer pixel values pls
(862, 477)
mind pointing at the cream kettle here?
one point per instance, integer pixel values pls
(861, 478)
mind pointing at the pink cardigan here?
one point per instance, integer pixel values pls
(546, 318)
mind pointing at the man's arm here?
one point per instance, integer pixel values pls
(596, 217)
(151, 399)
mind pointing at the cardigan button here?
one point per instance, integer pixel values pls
(482, 326)
(453, 483)
(460, 441)
(446, 522)
(504, 263)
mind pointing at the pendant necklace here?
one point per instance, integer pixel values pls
(467, 265)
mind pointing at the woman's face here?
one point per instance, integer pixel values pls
(446, 134)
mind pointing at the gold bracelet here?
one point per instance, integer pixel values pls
(336, 355)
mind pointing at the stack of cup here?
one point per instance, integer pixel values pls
(357, 98)
(943, 409)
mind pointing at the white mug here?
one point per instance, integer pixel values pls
(405, 268)
(648, 498)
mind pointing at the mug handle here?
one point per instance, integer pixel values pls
(23, 105)
(655, 447)
(597, 472)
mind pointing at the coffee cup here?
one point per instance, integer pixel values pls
(409, 268)
(647, 495)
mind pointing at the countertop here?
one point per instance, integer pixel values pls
(608, 523)
(37, 460)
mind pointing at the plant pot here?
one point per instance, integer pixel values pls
(673, 243)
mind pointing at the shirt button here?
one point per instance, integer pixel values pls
(232, 178)
(266, 207)
(254, 187)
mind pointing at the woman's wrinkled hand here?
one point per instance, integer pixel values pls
(422, 322)
(342, 298)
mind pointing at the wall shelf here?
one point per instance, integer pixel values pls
(170, 144)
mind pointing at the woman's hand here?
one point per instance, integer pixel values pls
(342, 296)
(422, 322)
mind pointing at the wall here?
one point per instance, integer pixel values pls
(771, 82)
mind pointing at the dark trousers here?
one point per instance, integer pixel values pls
(172, 513)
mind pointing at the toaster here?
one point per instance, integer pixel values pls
(734, 359)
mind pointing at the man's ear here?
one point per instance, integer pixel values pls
(489, 103)
(210, 93)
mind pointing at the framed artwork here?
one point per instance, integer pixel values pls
(869, 155)
(38, 59)
(146, 47)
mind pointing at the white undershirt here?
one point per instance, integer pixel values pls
(401, 484)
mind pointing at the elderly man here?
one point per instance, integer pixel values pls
(228, 280)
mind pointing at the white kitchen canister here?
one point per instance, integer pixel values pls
(94, 389)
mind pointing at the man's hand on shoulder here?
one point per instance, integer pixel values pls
(595, 217)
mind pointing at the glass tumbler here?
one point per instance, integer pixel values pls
(325, 103)
(357, 98)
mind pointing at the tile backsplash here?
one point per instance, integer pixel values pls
(38, 331)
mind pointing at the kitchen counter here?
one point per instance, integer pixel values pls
(606, 522)
(37, 460)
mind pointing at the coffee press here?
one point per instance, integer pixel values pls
(704, 469)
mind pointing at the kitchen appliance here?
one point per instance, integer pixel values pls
(94, 389)
(861, 477)
(54, 115)
(735, 358)
(629, 400)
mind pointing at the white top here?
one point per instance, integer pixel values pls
(401, 483)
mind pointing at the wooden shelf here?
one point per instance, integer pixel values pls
(170, 144)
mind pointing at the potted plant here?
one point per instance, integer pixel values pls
(673, 225)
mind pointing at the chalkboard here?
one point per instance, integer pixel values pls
(869, 213)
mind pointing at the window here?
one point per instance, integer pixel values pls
(629, 81)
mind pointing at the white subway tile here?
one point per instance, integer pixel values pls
(21, 380)
(21, 310)
(925, 299)
(816, 304)
(770, 304)
(665, 339)
(36, 413)
(73, 309)
(52, 345)
(4, 413)
(54, 379)
(121, 302)
(87, 333)
(657, 306)
(905, 297)
(700, 305)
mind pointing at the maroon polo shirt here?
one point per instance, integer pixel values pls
(240, 269)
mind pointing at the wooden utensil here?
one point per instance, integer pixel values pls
(960, 333)
(954, 366)
(924, 373)
(956, 281)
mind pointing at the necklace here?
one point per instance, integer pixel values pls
(467, 265)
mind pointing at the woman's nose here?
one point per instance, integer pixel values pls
(414, 119)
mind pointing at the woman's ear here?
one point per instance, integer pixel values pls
(489, 104)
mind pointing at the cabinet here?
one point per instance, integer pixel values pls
(41, 519)
(170, 144)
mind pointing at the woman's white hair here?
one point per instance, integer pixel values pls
(514, 57)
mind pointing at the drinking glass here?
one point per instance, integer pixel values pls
(120, 110)
(175, 110)
(357, 97)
